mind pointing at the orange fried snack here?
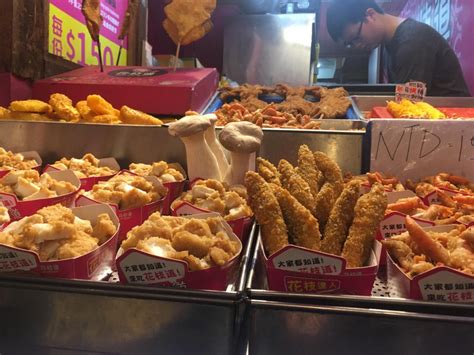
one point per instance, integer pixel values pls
(368, 213)
(4, 113)
(267, 212)
(28, 116)
(32, 106)
(303, 227)
(296, 185)
(340, 219)
(268, 171)
(63, 108)
(307, 169)
(85, 111)
(131, 116)
(100, 106)
(91, 11)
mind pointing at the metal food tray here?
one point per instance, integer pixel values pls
(41, 315)
(362, 104)
(278, 322)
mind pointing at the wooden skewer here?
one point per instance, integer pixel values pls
(177, 56)
(119, 53)
(100, 55)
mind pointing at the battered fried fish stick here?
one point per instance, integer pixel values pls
(296, 185)
(340, 219)
(368, 213)
(267, 212)
(268, 171)
(303, 227)
(307, 169)
(325, 201)
(331, 171)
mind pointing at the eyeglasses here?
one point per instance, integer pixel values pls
(356, 39)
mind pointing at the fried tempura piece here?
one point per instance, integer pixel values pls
(267, 212)
(197, 245)
(307, 169)
(400, 252)
(56, 213)
(32, 106)
(368, 213)
(101, 107)
(62, 106)
(268, 171)
(296, 185)
(103, 228)
(131, 116)
(85, 111)
(303, 228)
(340, 219)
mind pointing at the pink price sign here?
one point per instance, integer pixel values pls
(69, 38)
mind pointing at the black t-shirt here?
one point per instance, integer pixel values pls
(418, 53)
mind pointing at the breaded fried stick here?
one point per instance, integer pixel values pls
(303, 227)
(331, 171)
(340, 219)
(268, 171)
(296, 185)
(267, 212)
(307, 169)
(368, 213)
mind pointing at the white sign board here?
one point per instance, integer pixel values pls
(414, 149)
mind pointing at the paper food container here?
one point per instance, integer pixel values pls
(87, 183)
(433, 198)
(442, 283)
(131, 217)
(31, 155)
(299, 270)
(91, 266)
(19, 209)
(140, 268)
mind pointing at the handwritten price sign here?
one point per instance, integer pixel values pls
(413, 149)
(68, 36)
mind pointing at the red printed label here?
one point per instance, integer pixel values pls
(394, 224)
(306, 285)
(295, 259)
(13, 260)
(447, 286)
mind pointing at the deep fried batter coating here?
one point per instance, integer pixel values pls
(103, 228)
(4, 113)
(325, 201)
(131, 116)
(400, 252)
(63, 108)
(56, 213)
(340, 219)
(267, 212)
(197, 245)
(368, 213)
(296, 185)
(303, 227)
(101, 107)
(32, 106)
(307, 169)
(268, 171)
(331, 171)
(28, 116)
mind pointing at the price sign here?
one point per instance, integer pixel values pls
(413, 149)
(69, 38)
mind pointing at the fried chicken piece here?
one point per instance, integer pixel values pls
(307, 169)
(368, 213)
(85, 111)
(400, 252)
(105, 196)
(340, 219)
(197, 245)
(267, 212)
(31, 106)
(154, 226)
(195, 226)
(56, 213)
(303, 227)
(101, 107)
(62, 106)
(219, 256)
(131, 116)
(104, 228)
(333, 107)
(134, 198)
(4, 113)
(328, 167)
(4, 216)
(80, 245)
(268, 171)
(296, 185)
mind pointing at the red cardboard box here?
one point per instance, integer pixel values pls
(155, 90)
(13, 88)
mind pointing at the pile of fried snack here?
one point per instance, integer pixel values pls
(310, 206)
(55, 233)
(409, 109)
(161, 169)
(127, 191)
(28, 185)
(87, 166)
(4, 215)
(60, 108)
(297, 103)
(214, 196)
(11, 161)
(202, 243)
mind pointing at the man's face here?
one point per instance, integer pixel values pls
(366, 34)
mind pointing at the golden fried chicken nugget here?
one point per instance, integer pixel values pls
(340, 219)
(101, 107)
(63, 108)
(131, 116)
(56, 213)
(303, 227)
(307, 169)
(85, 111)
(268, 171)
(105, 119)
(368, 213)
(267, 211)
(103, 228)
(5, 113)
(28, 116)
(32, 106)
(82, 244)
(296, 185)
(197, 245)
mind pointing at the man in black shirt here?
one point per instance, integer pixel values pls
(413, 51)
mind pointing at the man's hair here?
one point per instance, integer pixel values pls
(344, 12)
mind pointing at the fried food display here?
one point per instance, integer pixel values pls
(418, 250)
(268, 171)
(296, 185)
(315, 102)
(127, 191)
(308, 170)
(63, 108)
(27, 185)
(164, 172)
(55, 233)
(212, 195)
(368, 213)
(15, 161)
(130, 116)
(31, 106)
(87, 166)
(4, 216)
(202, 243)
(442, 180)
(408, 109)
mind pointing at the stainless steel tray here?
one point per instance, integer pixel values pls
(278, 323)
(62, 316)
(362, 104)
